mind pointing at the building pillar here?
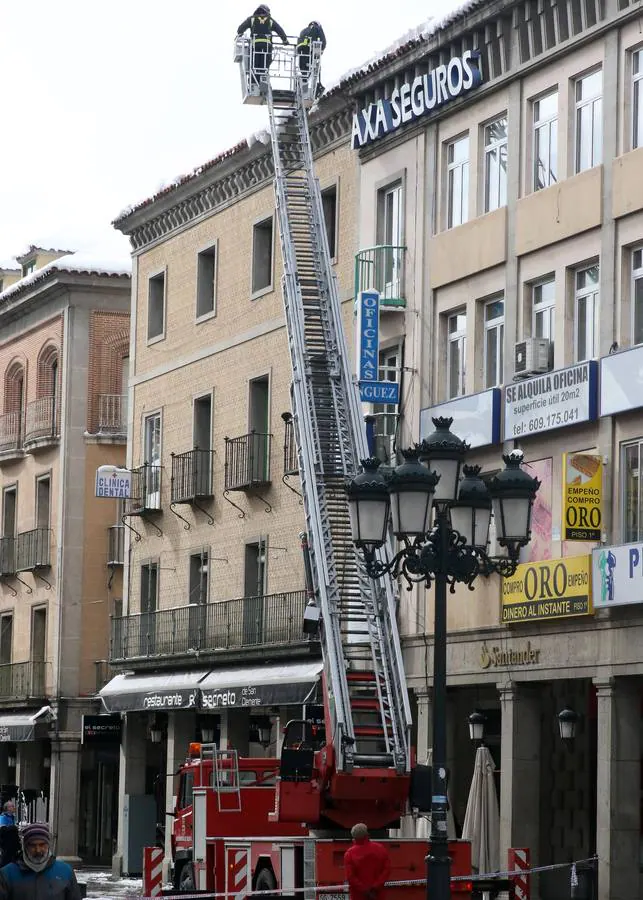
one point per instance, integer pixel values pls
(131, 778)
(235, 726)
(181, 729)
(64, 795)
(618, 781)
(29, 765)
(520, 769)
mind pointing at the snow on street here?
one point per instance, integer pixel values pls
(101, 883)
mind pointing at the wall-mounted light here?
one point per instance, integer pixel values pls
(208, 734)
(260, 730)
(567, 720)
(156, 734)
(477, 722)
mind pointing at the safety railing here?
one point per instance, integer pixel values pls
(247, 461)
(10, 431)
(41, 420)
(382, 269)
(281, 64)
(112, 414)
(116, 545)
(191, 475)
(33, 549)
(20, 681)
(265, 621)
(146, 490)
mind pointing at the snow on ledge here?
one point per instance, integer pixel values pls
(83, 263)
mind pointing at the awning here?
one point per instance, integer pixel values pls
(276, 685)
(293, 683)
(23, 727)
(128, 692)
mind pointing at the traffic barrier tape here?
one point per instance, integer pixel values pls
(343, 888)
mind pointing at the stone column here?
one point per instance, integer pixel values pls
(181, 729)
(64, 794)
(520, 769)
(618, 782)
(131, 777)
(29, 765)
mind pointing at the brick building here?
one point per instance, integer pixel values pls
(64, 322)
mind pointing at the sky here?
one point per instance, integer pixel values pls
(104, 103)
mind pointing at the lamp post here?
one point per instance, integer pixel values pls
(441, 513)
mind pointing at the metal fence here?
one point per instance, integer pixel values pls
(268, 620)
(33, 549)
(191, 475)
(146, 489)
(20, 681)
(247, 461)
(381, 269)
(112, 413)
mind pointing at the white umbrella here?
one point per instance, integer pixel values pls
(482, 818)
(419, 827)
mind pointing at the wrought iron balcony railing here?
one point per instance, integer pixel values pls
(146, 490)
(33, 549)
(10, 431)
(41, 419)
(382, 269)
(115, 545)
(22, 681)
(191, 476)
(291, 458)
(7, 556)
(268, 621)
(112, 414)
(247, 461)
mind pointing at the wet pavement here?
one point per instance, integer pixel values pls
(101, 883)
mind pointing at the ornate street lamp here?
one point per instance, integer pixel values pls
(442, 519)
(477, 721)
(567, 721)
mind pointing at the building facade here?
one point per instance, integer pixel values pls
(513, 195)
(65, 335)
(210, 643)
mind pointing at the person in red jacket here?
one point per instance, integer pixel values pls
(367, 865)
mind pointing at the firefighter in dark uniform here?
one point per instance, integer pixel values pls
(261, 27)
(311, 33)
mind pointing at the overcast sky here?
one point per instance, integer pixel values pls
(105, 102)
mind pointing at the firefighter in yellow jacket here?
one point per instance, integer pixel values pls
(262, 26)
(312, 33)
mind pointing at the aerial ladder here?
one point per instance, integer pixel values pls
(362, 767)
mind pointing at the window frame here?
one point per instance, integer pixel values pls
(457, 337)
(495, 146)
(153, 277)
(40, 479)
(451, 167)
(578, 106)
(7, 615)
(636, 97)
(497, 325)
(538, 125)
(595, 324)
(634, 278)
(545, 306)
(149, 564)
(626, 538)
(268, 288)
(204, 555)
(211, 250)
(332, 186)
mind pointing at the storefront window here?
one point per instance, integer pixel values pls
(631, 492)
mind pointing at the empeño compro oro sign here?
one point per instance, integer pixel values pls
(551, 589)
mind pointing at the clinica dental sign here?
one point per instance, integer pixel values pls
(420, 97)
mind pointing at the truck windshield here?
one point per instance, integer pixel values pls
(186, 786)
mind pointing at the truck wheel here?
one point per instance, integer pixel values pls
(186, 879)
(266, 882)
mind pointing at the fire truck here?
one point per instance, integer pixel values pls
(284, 827)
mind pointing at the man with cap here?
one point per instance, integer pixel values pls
(38, 874)
(262, 26)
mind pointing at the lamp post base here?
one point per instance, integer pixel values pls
(438, 873)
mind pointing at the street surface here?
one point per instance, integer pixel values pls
(101, 883)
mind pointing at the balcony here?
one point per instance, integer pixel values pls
(11, 435)
(146, 490)
(272, 621)
(247, 461)
(33, 550)
(7, 556)
(41, 423)
(23, 681)
(382, 269)
(191, 476)
(112, 414)
(116, 545)
(291, 457)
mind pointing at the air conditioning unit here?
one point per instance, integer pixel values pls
(531, 357)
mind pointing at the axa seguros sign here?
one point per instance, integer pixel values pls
(550, 589)
(418, 98)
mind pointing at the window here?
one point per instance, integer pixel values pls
(254, 591)
(543, 310)
(495, 164)
(389, 234)
(206, 282)
(43, 492)
(456, 351)
(494, 333)
(637, 296)
(637, 99)
(156, 307)
(149, 587)
(545, 141)
(631, 463)
(589, 126)
(259, 423)
(9, 508)
(38, 634)
(386, 416)
(458, 182)
(186, 789)
(152, 460)
(329, 207)
(28, 268)
(262, 256)
(586, 324)
(6, 638)
(199, 577)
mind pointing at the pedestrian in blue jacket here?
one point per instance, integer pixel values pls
(38, 874)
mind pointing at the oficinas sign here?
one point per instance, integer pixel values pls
(419, 98)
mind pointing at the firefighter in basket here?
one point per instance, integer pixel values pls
(312, 33)
(261, 26)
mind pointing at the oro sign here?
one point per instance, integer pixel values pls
(582, 497)
(550, 589)
(113, 483)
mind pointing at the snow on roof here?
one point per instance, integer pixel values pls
(9, 265)
(402, 45)
(77, 263)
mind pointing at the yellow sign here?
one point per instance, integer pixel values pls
(582, 497)
(550, 589)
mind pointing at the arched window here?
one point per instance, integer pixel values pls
(14, 388)
(47, 381)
